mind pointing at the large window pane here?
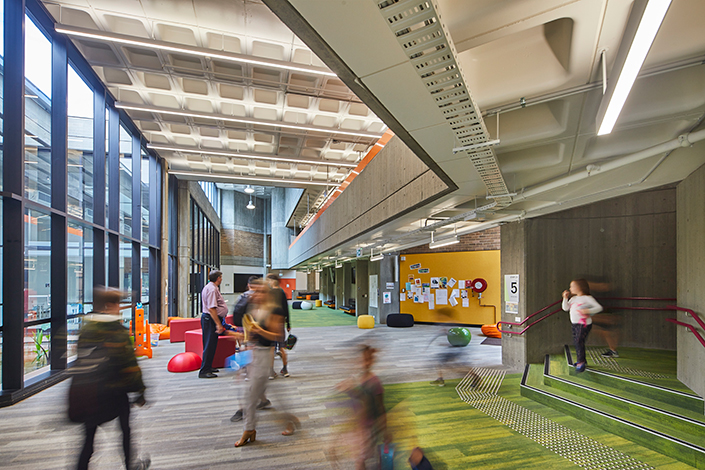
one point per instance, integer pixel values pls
(144, 192)
(144, 280)
(2, 107)
(75, 280)
(126, 182)
(80, 145)
(126, 277)
(37, 114)
(37, 341)
(37, 265)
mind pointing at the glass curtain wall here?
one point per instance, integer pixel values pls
(57, 142)
(205, 255)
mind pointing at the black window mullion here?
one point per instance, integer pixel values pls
(99, 157)
(136, 188)
(13, 206)
(59, 195)
(114, 172)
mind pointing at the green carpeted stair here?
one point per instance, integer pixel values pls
(320, 316)
(651, 409)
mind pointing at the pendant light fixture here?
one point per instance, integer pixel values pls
(250, 205)
(249, 189)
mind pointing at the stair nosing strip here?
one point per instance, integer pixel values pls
(547, 373)
(614, 418)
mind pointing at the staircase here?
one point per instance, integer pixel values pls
(637, 400)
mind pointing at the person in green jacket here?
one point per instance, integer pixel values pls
(105, 373)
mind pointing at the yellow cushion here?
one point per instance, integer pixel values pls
(319, 303)
(365, 322)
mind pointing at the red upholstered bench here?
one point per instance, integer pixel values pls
(194, 343)
(181, 326)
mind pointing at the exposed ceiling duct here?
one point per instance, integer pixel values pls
(420, 32)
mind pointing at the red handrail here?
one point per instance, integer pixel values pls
(695, 316)
(602, 298)
(690, 327)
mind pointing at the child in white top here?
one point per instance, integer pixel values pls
(582, 307)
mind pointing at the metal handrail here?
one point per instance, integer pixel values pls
(690, 327)
(602, 298)
(695, 316)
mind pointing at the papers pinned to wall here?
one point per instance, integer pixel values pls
(435, 282)
(431, 305)
(453, 301)
(466, 302)
(461, 284)
(441, 297)
(455, 294)
(451, 282)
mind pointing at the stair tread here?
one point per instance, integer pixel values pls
(652, 361)
(558, 370)
(535, 379)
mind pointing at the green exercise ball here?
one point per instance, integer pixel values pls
(459, 336)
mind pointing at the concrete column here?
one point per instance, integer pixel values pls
(184, 251)
(164, 291)
(513, 261)
(280, 234)
(362, 285)
(389, 274)
(339, 287)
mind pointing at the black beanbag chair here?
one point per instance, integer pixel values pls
(296, 305)
(400, 320)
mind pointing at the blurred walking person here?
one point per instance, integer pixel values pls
(280, 298)
(582, 306)
(266, 329)
(106, 371)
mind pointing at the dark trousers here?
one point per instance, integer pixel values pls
(210, 343)
(91, 428)
(580, 334)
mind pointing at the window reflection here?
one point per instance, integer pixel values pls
(80, 147)
(37, 114)
(126, 182)
(37, 265)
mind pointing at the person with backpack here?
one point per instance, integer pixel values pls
(105, 373)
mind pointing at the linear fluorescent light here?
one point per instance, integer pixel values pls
(256, 122)
(479, 145)
(248, 178)
(277, 158)
(490, 196)
(378, 257)
(649, 24)
(440, 243)
(338, 265)
(189, 50)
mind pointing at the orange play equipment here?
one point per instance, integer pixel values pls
(143, 345)
(491, 331)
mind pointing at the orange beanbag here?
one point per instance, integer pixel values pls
(168, 320)
(163, 330)
(491, 331)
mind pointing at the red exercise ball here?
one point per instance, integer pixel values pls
(184, 362)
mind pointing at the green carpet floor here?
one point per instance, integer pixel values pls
(454, 435)
(320, 316)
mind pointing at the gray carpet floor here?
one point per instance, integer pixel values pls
(187, 422)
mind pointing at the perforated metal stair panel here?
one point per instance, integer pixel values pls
(595, 356)
(479, 389)
(419, 29)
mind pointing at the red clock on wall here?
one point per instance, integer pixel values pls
(479, 285)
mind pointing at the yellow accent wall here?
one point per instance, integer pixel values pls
(462, 265)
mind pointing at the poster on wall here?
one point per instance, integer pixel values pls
(461, 284)
(463, 294)
(466, 302)
(455, 294)
(451, 282)
(373, 291)
(390, 286)
(417, 282)
(511, 293)
(402, 297)
(442, 282)
(387, 297)
(415, 266)
(411, 278)
(435, 282)
(431, 306)
(441, 297)
(453, 301)
(410, 294)
(424, 271)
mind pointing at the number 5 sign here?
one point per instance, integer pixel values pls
(511, 293)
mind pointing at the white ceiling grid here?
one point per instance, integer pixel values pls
(219, 116)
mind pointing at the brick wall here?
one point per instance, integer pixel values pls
(478, 241)
(241, 244)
